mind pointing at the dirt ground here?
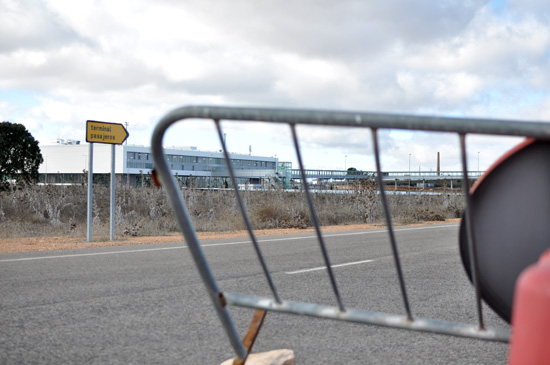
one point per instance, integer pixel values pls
(25, 244)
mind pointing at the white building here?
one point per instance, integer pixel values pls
(67, 162)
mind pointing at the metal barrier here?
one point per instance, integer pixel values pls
(373, 121)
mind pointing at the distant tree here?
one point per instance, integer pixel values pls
(20, 155)
(352, 171)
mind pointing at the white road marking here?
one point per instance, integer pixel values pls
(92, 254)
(324, 267)
(223, 244)
(327, 235)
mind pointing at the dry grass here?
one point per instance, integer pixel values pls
(38, 211)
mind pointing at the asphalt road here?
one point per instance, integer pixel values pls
(146, 304)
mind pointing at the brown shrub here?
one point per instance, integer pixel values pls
(61, 210)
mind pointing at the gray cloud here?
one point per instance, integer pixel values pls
(340, 29)
(137, 61)
(31, 25)
(537, 9)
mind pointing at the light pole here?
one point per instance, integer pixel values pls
(126, 123)
(478, 164)
(346, 162)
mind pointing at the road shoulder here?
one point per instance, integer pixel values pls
(30, 244)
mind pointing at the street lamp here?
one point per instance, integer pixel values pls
(346, 162)
(478, 164)
(126, 123)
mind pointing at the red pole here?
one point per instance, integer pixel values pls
(530, 342)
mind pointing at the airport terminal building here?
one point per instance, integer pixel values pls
(66, 162)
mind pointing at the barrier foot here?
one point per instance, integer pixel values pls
(275, 357)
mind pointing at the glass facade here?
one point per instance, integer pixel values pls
(69, 164)
(144, 160)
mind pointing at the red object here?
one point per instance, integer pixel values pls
(530, 342)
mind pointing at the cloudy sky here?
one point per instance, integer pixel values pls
(64, 62)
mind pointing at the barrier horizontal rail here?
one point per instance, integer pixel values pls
(361, 119)
(369, 317)
(374, 122)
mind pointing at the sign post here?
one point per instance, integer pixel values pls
(112, 210)
(109, 133)
(90, 183)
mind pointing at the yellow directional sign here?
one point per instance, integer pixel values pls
(101, 132)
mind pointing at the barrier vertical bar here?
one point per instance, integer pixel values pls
(185, 225)
(469, 230)
(244, 215)
(390, 226)
(316, 220)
